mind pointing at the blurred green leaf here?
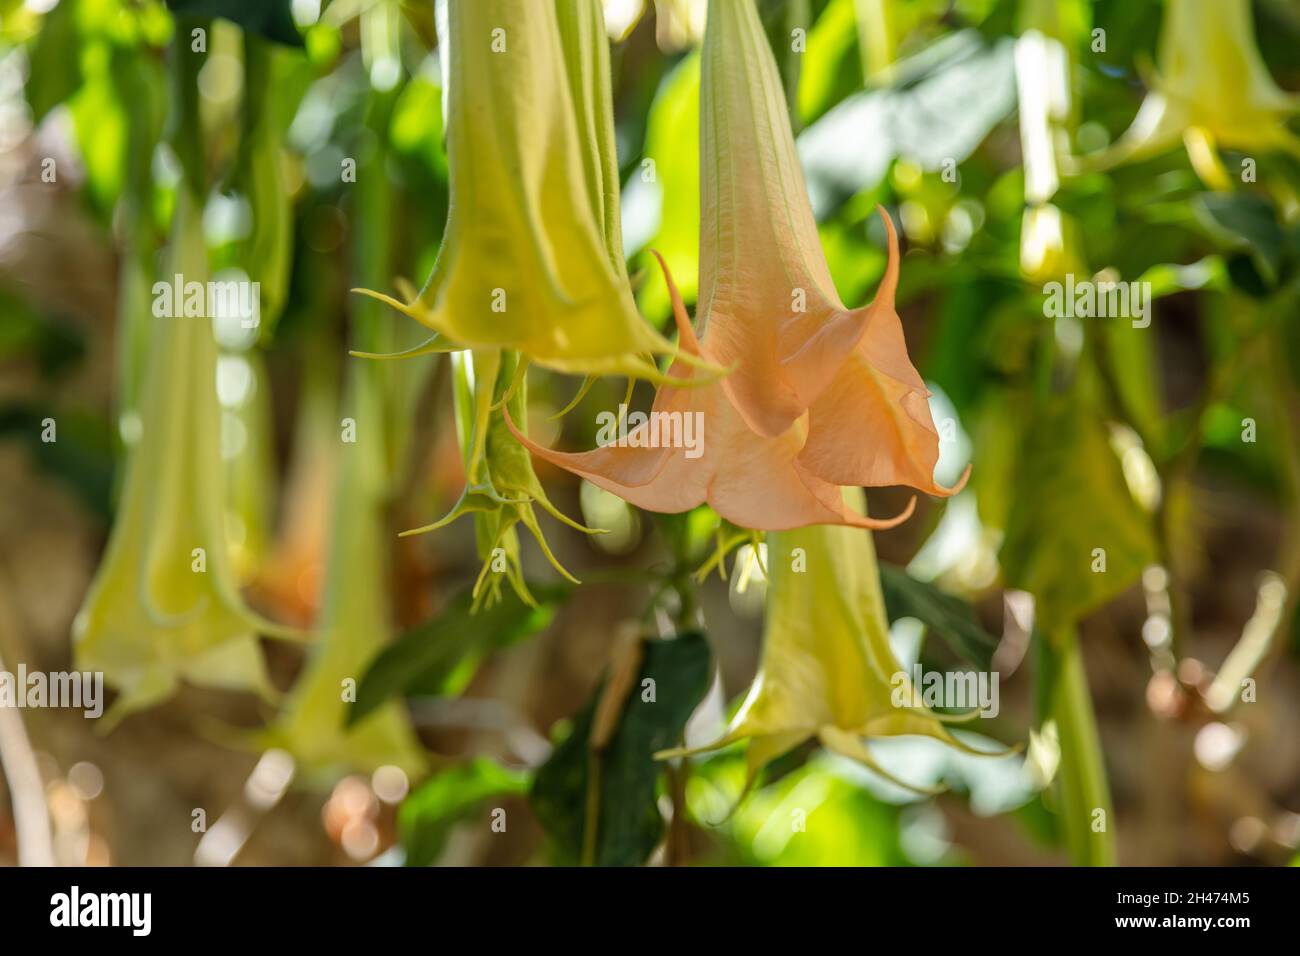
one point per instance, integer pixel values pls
(427, 816)
(1071, 499)
(949, 97)
(55, 70)
(843, 824)
(947, 616)
(661, 204)
(628, 822)
(832, 66)
(272, 19)
(80, 455)
(1245, 220)
(437, 658)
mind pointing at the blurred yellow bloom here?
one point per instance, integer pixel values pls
(532, 257)
(827, 669)
(164, 605)
(354, 622)
(678, 23)
(1211, 87)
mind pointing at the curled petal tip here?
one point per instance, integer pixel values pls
(956, 487)
(884, 524)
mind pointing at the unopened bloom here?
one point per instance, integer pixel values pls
(827, 669)
(501, 487)
(165, 605)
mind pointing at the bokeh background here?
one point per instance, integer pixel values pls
(977, 124)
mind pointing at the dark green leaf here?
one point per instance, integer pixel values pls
(56, 61)
(427, 815)
(948, 617)
(1245, 220)
(423, 662)
(272, 19)
(81, 455)
(628, 822)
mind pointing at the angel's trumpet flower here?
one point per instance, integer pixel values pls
(750, 479)
(768, 307)
(164, 605)
(531, 259)
(501, 487)
(827, 669)
(1211, 86)
(354, 622)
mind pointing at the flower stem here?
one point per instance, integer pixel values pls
(1084, 792)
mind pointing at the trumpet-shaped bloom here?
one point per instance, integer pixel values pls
(827, 669)
(1211, 86)
(354, 623)
(870, 426)
(532, 258)
(765, 289)
(750, 479)
(768, 307)
(164, 605)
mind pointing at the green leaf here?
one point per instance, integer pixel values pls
(438, 657)
(945, 615)
(1245, 220)
(55, 72)
(662, 201)
(81, 456)
(1071, 499)
(950, 96)
(427, 816)
(272, 19)
(832, 66)
(626, 816)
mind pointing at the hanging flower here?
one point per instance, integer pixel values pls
(532, 256)
(827, 669)
(670, 463)
(1211, 87)
(767, 304)
(354, 622)
(768, 307)
(165, 606)
(818, 395)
